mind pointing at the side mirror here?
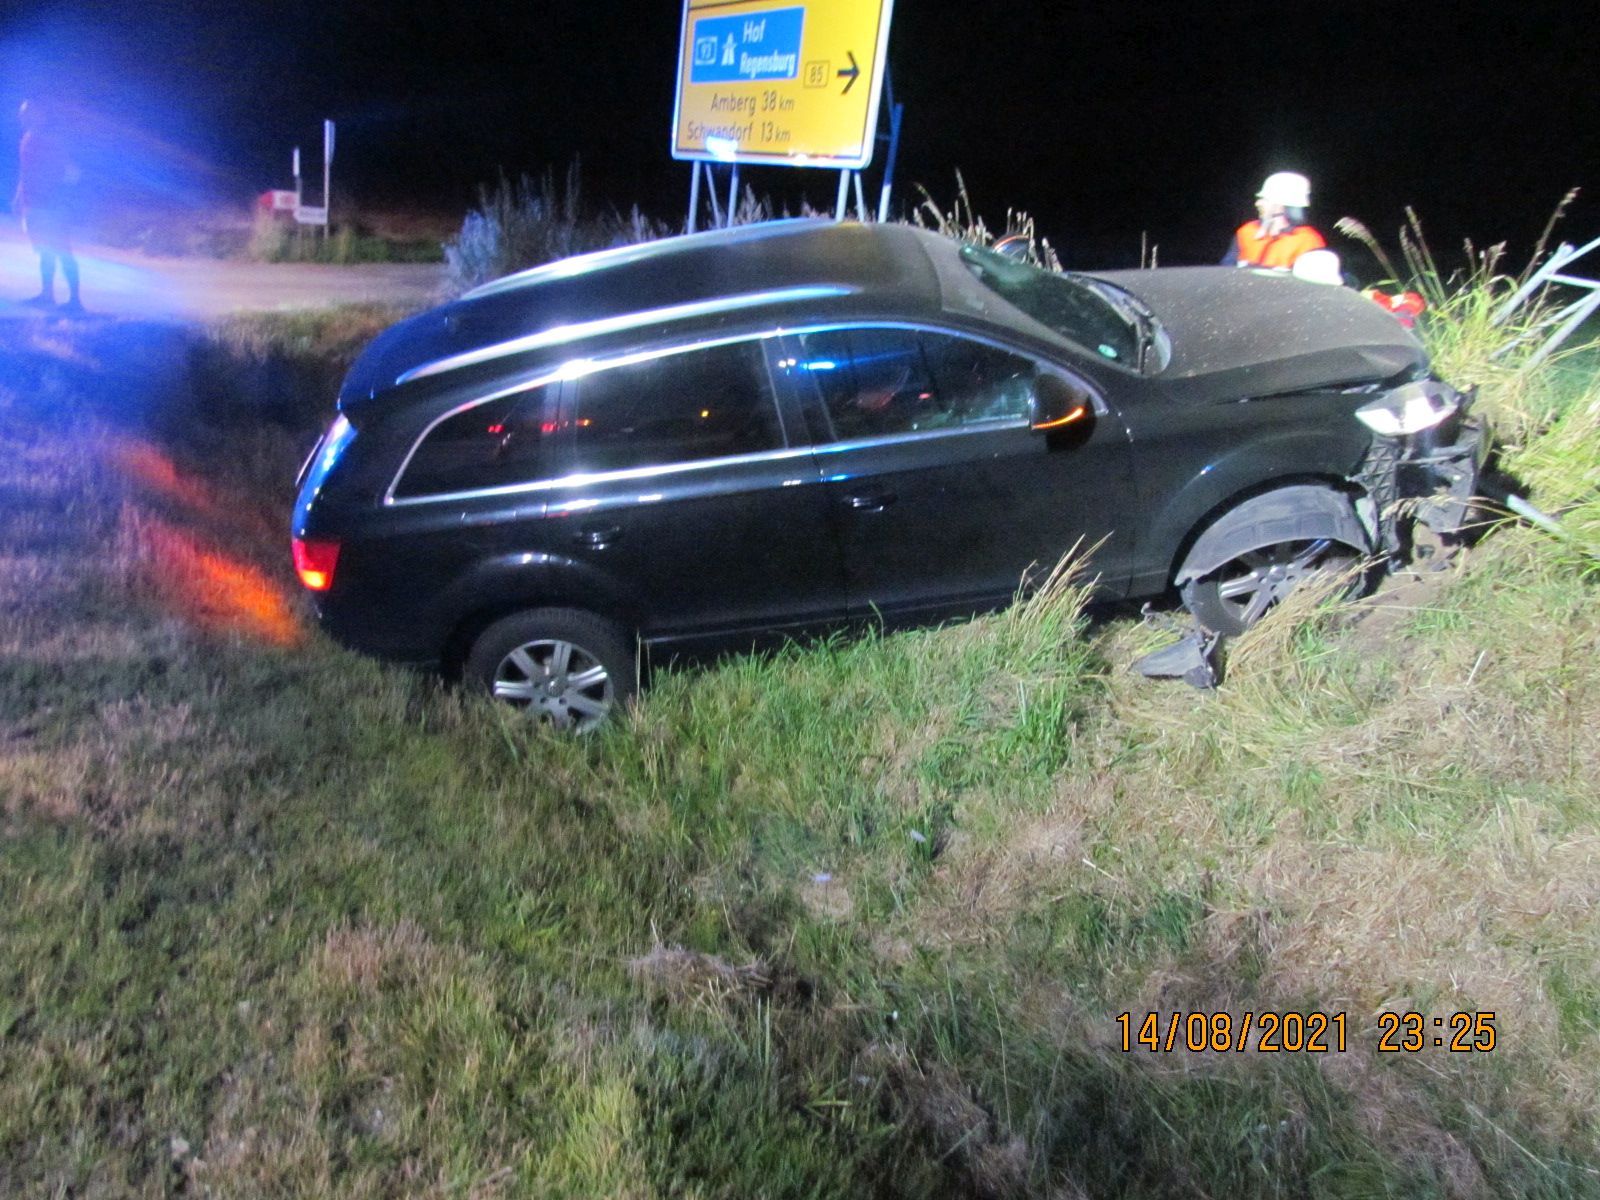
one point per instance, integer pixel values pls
(1057, 404)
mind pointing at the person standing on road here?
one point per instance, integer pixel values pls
(45, 175)
(1279, 235)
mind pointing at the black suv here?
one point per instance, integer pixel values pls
(771, 429)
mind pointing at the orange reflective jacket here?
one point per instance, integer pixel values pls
(1275, 250)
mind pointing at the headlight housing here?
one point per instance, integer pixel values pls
(1411, 409)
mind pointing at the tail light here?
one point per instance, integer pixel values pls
(314, 561)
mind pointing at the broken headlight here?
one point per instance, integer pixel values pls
(1410, 409)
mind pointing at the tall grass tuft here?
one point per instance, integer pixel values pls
(529, 222)
(1546, 412)
(276, 240)
(1470, 339)
(269, 238)
(962, 222)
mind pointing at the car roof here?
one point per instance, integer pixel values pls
(805, 250)
(681, 288)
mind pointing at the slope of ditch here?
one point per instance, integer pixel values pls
(854, 919)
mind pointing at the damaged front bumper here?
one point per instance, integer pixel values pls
(1430, 476)
(1426, 476)
(1445, 478)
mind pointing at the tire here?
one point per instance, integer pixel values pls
(563, 666)
(1232, 598)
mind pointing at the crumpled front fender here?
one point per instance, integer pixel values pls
(1300, 512)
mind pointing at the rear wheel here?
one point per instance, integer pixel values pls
(1239, 593)
(560, 665)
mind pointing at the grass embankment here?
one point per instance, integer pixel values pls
(273, 239)
(855, 920)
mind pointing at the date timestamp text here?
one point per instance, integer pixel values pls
(1270, 1032)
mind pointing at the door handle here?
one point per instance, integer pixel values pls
(597, 539)
(869, 501)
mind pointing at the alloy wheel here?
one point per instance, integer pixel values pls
(559, 681)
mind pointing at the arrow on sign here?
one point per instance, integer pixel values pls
(852, 73)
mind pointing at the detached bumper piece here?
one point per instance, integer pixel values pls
(1192, 658)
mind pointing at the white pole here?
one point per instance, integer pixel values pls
(327, 178)
(694, 196)
(711, 193)
(844, 183)
(861, 201)
(733, 194)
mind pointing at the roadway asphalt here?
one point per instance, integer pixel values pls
(125, 283)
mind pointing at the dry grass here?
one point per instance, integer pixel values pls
(1385, 836)
(934, 1100)
(206, 586)
(962, 221)
(691, 976)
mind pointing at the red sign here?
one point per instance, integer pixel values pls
(277, 200)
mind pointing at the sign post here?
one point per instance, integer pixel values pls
(306, 214)
(780, 83)
(327, 176)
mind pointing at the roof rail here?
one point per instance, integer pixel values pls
(561, 334)
(582, 264)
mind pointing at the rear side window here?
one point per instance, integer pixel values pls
(876, 382)
(494, 444)
(702, 404)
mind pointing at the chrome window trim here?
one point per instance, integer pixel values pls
(577, 368)
(560, 335)
(329, 449)
(1100, 407)
(920, 435)
(589, 478)
(311, 457)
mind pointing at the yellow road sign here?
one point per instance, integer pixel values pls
(792, 82)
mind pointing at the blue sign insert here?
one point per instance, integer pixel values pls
(747, 49)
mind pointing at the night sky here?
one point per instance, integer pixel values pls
(1104, 120)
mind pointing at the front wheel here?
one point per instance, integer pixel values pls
(1237, 594)
(560, 665)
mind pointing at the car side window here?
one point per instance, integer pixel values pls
(873, 382)
(883, 382)
(493, 444)
(980, 383)
(702, 404)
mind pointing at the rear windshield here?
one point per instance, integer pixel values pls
(1059, 302)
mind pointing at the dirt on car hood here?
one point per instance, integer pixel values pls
(1266, 331)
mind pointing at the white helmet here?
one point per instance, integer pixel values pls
(1288, 188)
(1318, 266)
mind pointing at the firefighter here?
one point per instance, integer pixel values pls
(1279, 235)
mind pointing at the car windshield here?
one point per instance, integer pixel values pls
(1076, 308)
